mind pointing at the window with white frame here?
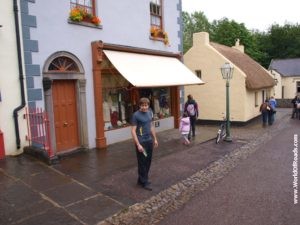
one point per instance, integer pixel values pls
(87, 5)
(156, 13)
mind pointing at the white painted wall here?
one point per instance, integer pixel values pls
(290, 86)
(125, 22)
(211, 97)
(9, 81)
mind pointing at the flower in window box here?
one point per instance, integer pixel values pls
(160, 34)
(76, 14)
(166, 38)
(155, 32)
(79, 14)
(152, 31)
(95, 20)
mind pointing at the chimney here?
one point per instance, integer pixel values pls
(238, 46)
(201, 38)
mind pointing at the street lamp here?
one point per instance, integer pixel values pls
(227, 72)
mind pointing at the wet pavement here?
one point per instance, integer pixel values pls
(89, 186)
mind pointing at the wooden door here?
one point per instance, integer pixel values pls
(65, 115)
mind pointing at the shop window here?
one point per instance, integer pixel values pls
(120, 98)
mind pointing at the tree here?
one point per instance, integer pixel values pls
(226, 32)
(278, 42)
(193, 23)
(284, 41)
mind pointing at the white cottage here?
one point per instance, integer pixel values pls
(250, 85)
(286, 72)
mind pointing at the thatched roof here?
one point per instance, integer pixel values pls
(256, 76)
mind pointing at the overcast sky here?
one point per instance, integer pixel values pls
(255, 14)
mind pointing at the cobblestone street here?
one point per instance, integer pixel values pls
(99, 187)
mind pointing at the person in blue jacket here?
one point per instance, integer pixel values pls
(272, 112)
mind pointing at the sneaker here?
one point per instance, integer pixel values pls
(142, 184)
(147, 187)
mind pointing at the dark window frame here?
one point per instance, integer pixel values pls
(198, 73)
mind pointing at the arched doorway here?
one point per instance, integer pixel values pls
(65, 101)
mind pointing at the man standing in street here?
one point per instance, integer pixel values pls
(191, 108)
(144, 137)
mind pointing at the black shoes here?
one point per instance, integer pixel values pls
(146, 186)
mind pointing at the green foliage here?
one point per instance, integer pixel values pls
(193, 23)
(278, 42)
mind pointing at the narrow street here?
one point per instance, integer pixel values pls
(257, 191)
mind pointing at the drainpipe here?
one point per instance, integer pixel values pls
(21, 77)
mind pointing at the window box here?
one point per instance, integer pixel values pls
(78, 14)
(157, 33)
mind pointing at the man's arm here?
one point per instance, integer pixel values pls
(135, 138)
(154, 135)
(197, 110)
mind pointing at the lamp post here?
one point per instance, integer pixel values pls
(227, 72)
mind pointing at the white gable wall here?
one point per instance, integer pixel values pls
(211, 96)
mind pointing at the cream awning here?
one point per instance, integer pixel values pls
(143, 70)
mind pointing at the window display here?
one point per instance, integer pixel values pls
(120, 99)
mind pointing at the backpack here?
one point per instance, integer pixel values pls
(191, 109)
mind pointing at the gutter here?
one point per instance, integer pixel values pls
(21, 77)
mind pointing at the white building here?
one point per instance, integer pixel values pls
(89, 76)
(287, 74)
(13, 126)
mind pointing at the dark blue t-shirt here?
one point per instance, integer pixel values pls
(142, 121)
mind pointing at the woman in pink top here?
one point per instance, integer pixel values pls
(184, 128)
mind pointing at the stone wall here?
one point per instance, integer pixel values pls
(284, 103)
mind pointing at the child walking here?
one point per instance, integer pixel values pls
(184, 128)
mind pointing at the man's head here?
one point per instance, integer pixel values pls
(144, 104)
(190, 97)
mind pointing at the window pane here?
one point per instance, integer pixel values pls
(88, 3)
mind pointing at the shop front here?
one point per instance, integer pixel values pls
(122, 76)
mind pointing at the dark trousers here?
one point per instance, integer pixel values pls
(265, 115)
(271, 117)
(296, 112)
(144, 163)
(193, 126)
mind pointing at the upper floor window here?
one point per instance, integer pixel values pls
(84, 11)
(87, 5)
(156, 13)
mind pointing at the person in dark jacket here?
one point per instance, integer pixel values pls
(264, 109)
(295, 101)
(191, 108)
